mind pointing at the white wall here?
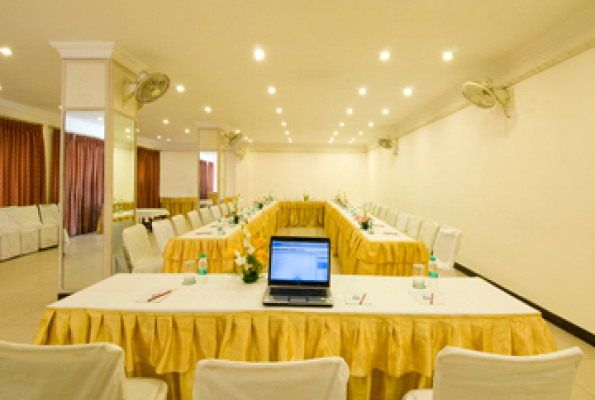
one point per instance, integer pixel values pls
(179, 174)
(124, 174)
(522, 190)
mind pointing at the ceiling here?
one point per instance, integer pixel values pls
(318, 54)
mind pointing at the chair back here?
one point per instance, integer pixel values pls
(50, 214)
(316, 379)
(414, 225)
(364, 205)
(89, 371)
(11, 219)
(205, 215)
(447, 246)
(373, 209)
(179, 223)
(29, 216)
(194, 219)
(427, 233)
(382, 212)
(391, 217)
(224, 209)
(119, 263)
(163, 231)
(468, 374)
(216, 212)
(137, 244)
(402, 221)
(231, 207)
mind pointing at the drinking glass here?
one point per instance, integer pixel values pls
(419, 275)
(189, 272)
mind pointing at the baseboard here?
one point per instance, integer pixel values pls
(549, 316)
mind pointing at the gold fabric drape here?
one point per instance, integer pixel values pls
(178, 205)
(302, 214)
(387, 354)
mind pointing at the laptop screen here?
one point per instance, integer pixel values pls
(299, 261)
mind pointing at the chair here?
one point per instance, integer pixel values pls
(374, 209)
(468, 374)
(29, 237)
(231, 207)
(382, 212)
(180, 225)
(194, 219)
(447, 246)
(364, 205)
(224, 209)
(88, 371)
(10, 238)
(414, 225)
(49, 233)
(50, 215)
(216, 212)
(163, 231)
(316, 379)
(119, 261)
(205, 215)
(402, 221)
(391, 217)
(138, 247)
(427, 233)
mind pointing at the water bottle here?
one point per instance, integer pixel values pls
(433, 274)
(202, 270)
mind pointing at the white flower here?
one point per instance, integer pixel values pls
(241, 260)
(246, 243)
(250, 248)
(247, 267)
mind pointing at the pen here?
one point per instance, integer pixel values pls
(362, 300)
(432, 299)
(158, 296)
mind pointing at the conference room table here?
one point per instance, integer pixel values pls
(389, 343)
(387, 251)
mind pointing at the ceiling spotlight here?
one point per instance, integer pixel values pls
(180, 88)
(272, 90)
(279, 111)
(137, 130)
(407, 91)
(237, 131)
(165, 121)
(385, 111)
(289, 140)
(283, 123)
(208, 109)
(332, 140)
(336, 133)
(370, 124)
(6, 51)
(341, 124)
(187, 130)
(362, 91)
(447, 55)
(385, 55)
(158, 137)
(349, 111)
(128, 136)
(287, 132)
(258, 54)
(361, 133)
(127, 130)
(350, 142)
(168, 139)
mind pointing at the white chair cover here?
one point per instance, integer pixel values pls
(29, 237)
(138, 246)
(10, 240)
(194, 219)
(216, 212)
(50, 214)
(75, 372)
(205, 215)
(231, 207)
(467, 374)
(373, 209)
(414, 225)
(50, 225)
(119, 262)
(179, 223)
(48, 233)
(427, 233)
(224, 209)
(316, 379)
(382, 212)
(364, 205)
(391, 217)
(402, 221)
(447, 246)
(163, 231)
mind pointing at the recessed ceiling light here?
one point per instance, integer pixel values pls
(332, 140)
(407, 91)
(187, 130)
(168, 139)
(272, 90)
(335, 133)
(385, 111)
(127, 130)
(385, 55)
(349, 111)
(128, 136)
(350, 142)
(370, 124)
(208, 109)
(180, 88)
(287, 132)
(289, 140)
(447, 55)
(279, 111)
(158, 137)
(6, 51)
(283, 123)
(361, 133)
(341, 124)
(165, 121)
(362, 91)
(250, 140)
(258, 54)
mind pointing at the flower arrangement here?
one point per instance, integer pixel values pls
(306, 196)
(259, 204)
(250, 261)
(235, 215)
(270, 197)
(337, 198)
(365, 221)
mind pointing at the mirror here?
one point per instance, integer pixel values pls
(208, 176)
(82, 199)
(124, 185)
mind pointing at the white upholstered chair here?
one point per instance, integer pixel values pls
(414, 225)
(391, 217)
(163, 231)
(10, 238)
(119, 262)
(194, 219)
(364, 205)
(179, 223)
(88, 371)
(467, 374)
(29, 237)
(402, 221)
(316, 379)
(231, 207)
(224, 209)
(138, 247)
(49, 233)
(205, 215)
(382, 212)
(447, 246)
(215, 212)
(373, 209)
(427, 233)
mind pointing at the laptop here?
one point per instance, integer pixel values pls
(299, 272)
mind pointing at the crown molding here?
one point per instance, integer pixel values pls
(99, 50)
(213, 125)
(12, 109)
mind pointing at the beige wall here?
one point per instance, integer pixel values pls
(522, 190)
(179, 174)
(124, 174)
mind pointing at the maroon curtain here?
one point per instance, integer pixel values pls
(148, 169)
(55, 174)
(22, 163)
(210, 176)
(83, 183)
(203, 180)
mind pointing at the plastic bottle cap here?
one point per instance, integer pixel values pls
(432, 258)
(202, 256)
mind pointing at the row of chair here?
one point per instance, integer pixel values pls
(96, 371)
(442, 241)
(27, 229)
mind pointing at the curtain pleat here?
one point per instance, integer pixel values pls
(203, 180)
(22, 163)
(148, 170)
(55, 174)
(211, 177)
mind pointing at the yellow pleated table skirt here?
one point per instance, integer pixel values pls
(387, 355)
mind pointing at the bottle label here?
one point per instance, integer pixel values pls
(202, 271)
(433, 274)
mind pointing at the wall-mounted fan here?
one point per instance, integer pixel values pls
(484, 95)
(240, 152)
(233, 138)
(147, 88)
(389, 143)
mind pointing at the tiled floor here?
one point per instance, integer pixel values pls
(29, 283)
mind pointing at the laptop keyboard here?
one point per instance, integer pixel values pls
(276, 291)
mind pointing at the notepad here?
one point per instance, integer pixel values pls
(154, 292)
(354, 298)
(423, 296)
